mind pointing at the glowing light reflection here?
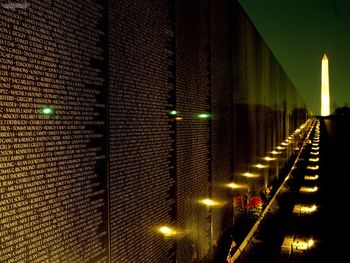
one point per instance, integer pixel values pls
(275, 152)
(203, 116)
(209, 202)
(235, 186)
(250, 175)
(167, 231)
(260, 166)
(47, 111)
(268, 159)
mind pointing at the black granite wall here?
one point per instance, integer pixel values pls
(118, 118)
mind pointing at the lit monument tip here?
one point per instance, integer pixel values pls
(325, 104)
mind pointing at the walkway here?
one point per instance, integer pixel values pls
(307, 218)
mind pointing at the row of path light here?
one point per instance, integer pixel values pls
(268, 168)
(300, 242)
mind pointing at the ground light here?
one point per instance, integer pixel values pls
(311, 177)
(303, 244)
(314, 159)
(303, 209)
(312, 167)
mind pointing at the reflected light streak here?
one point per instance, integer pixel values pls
(260, 166)
(179, 118)
(167, 231)
(315, 148)
(250, 175)
(311, 177)
(280, 148)
(268, 159)
(209, 202)
(275, 152)
(235, 186)
(314, 153)
(203, 115)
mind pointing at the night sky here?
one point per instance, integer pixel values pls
(298, 32)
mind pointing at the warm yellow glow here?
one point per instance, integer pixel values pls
(305, 189)
(314, 159)
(308, 209)
(275, 152)
(235, 186)
(311, 242)
(260, 166)
(167, 231)
(209, 202)
(284, 143)
(312, 167)
(315, 144)
(280, 148)
(179, 118)
(250, 175)
(268, 159)
(302, 244)
(311, 177)
(314, 153)
(315, 148)
(302, 209)
(325, 105)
